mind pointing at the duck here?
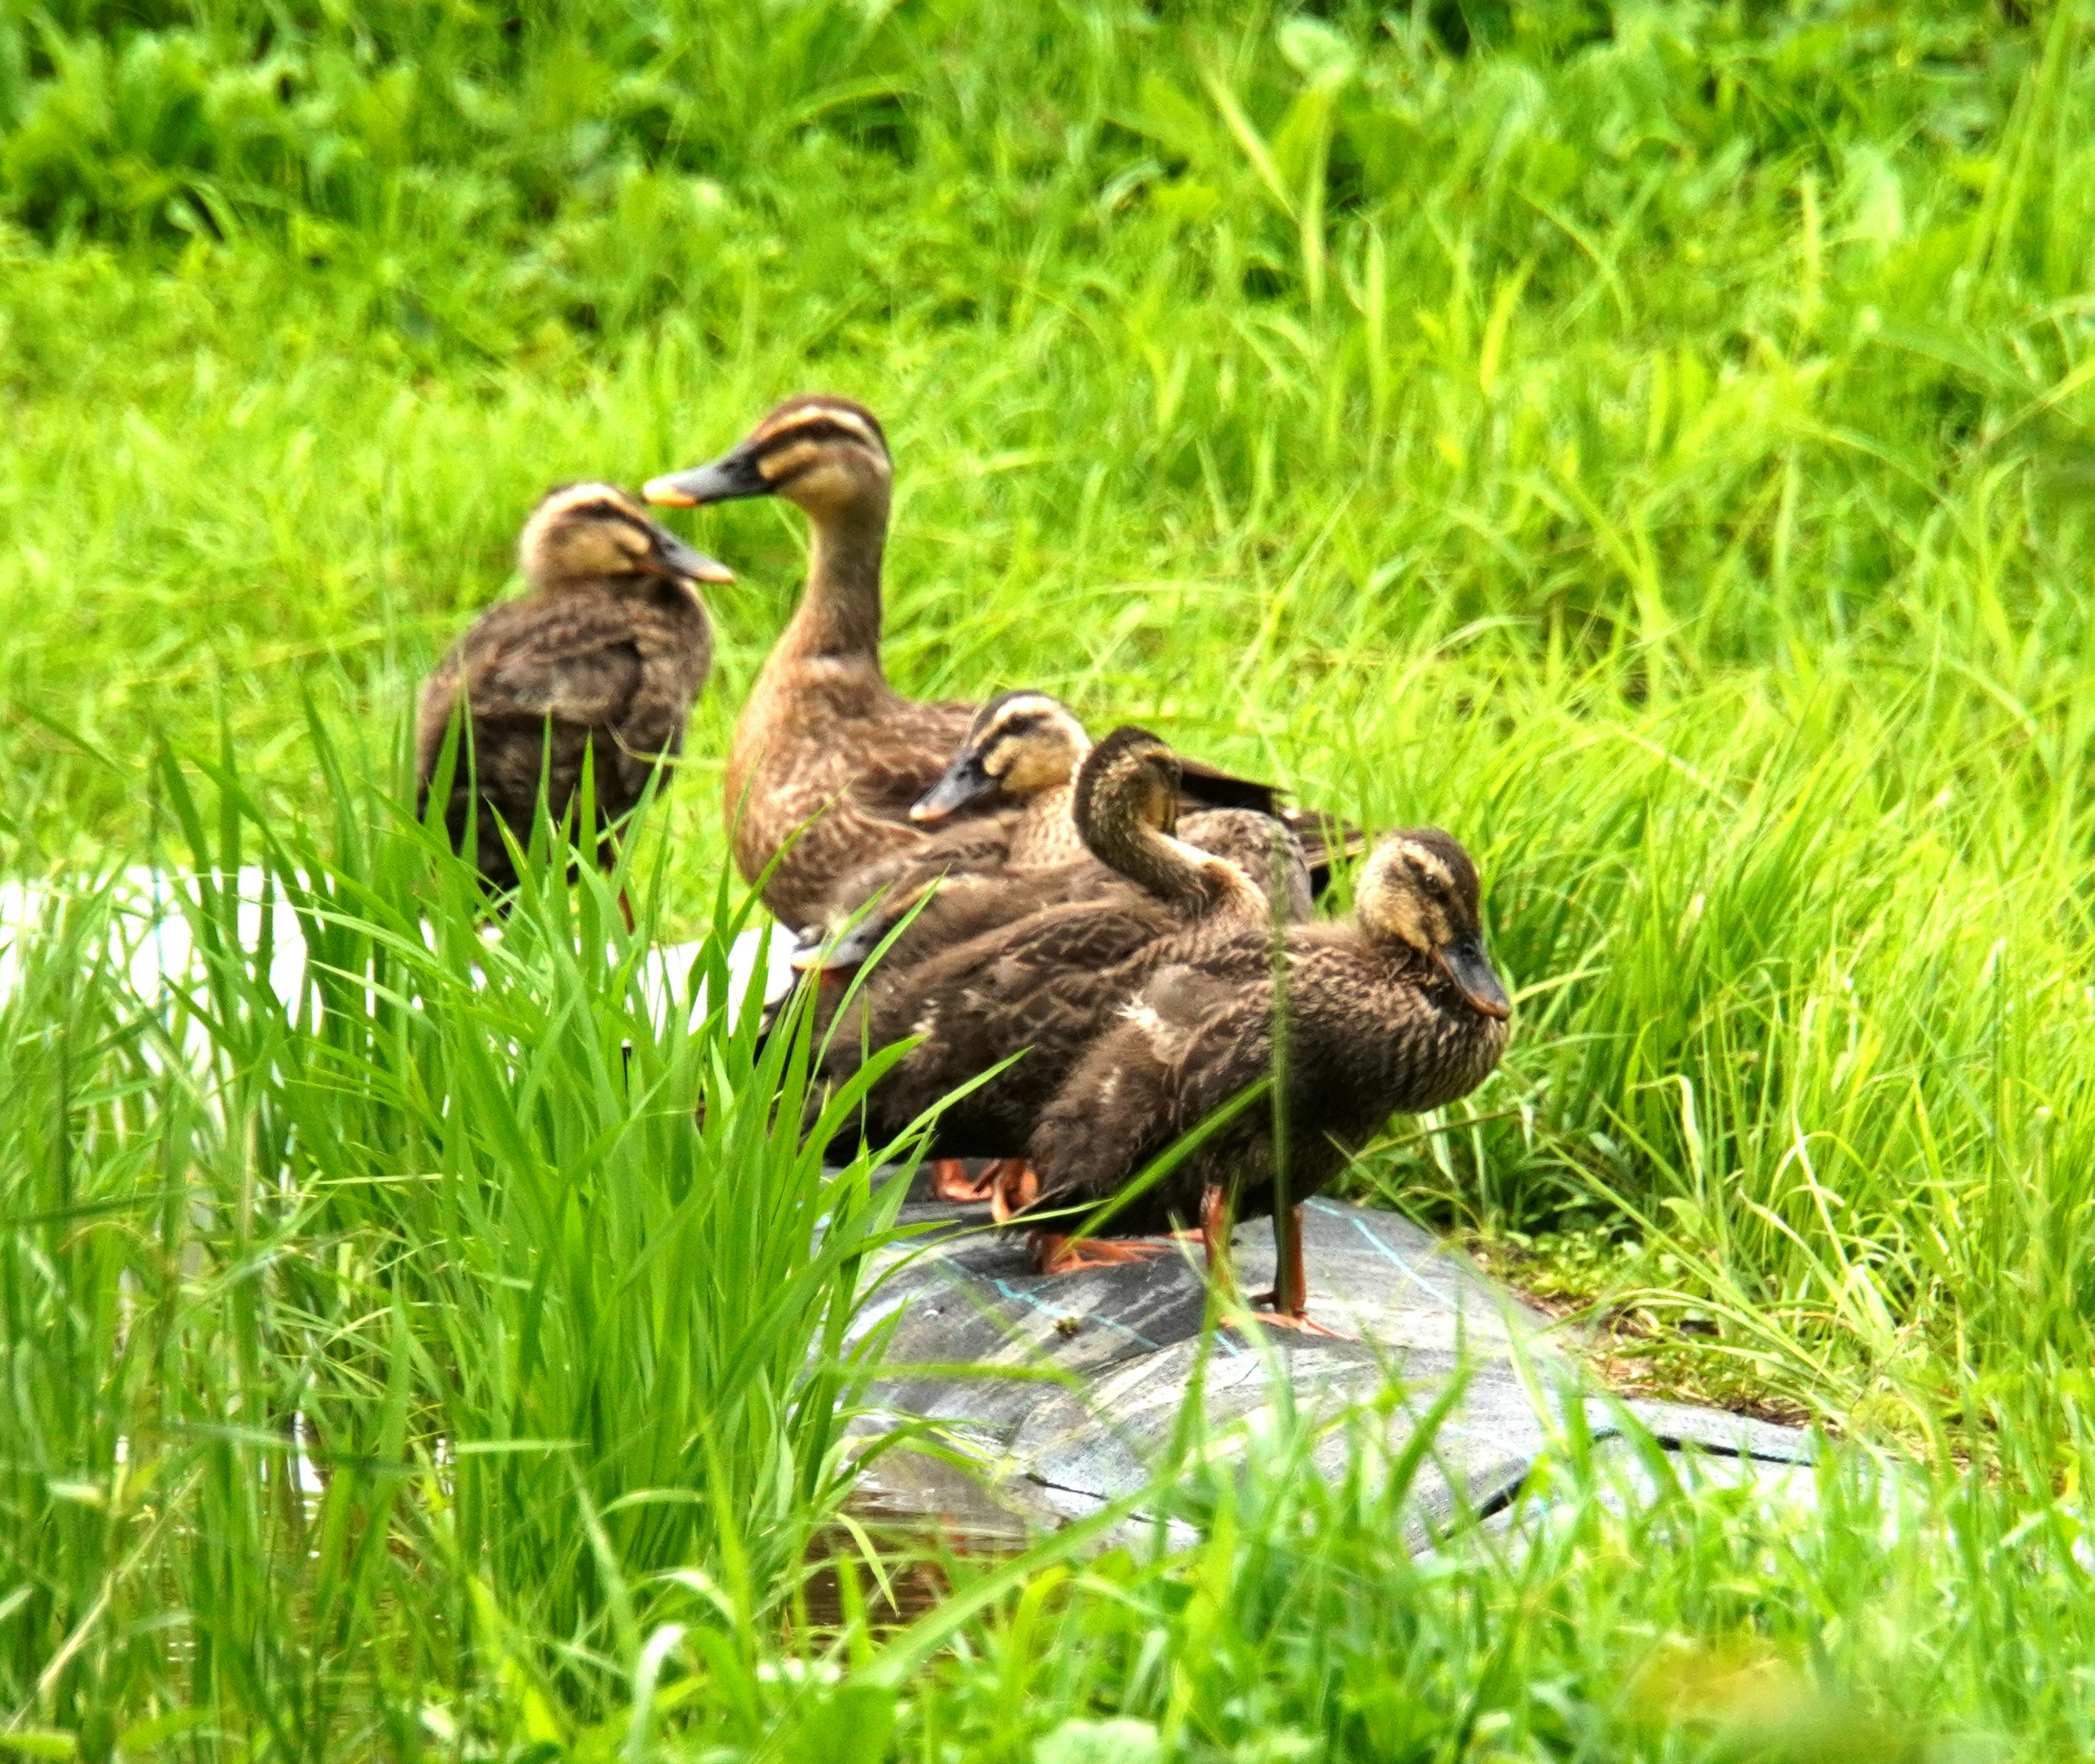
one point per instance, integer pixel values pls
(602, 658)
(1023, 748)
(1039, 987)
(1022, 751)
(1397, 1011)
(827, 759)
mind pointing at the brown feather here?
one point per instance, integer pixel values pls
(606, 667)
(1374, 1027)
(826, 757)
(1041, 983)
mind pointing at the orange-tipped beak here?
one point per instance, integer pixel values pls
(666, 492)
(734, 475)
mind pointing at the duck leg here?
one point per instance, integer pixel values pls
(1216, 1226)
(607, 860)
(1290, 1296)
(950, 1181)
(1290, 1285)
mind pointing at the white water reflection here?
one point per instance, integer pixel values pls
(151, 948)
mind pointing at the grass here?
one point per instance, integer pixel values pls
(1652, 443)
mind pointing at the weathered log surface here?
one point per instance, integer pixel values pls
(1082, 1376)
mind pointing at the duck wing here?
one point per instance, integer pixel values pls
(1326, 841)
(1189, 1041)
(521, 665)
(1326, 838)
(1039, 988)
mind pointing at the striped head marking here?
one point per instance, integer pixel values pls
(1019, 745)
(594, 532)
(820, 451)
(1419, 888)
(1028, 741)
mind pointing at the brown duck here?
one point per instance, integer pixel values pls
(602, 658)
(1040, 986)
(975, 878)
(1021, 757)
(825, 749)
(1024, 748)
(1396, 1012)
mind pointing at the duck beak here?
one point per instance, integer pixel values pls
(963, 781)
(734, 475)
(681, 562)
(1466, 963)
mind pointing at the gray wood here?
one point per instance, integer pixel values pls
(1082, 1377)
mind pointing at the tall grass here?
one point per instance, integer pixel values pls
(536, 1275)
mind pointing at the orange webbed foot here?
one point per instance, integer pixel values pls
(1300, 1321)
(1056, 1254)
(950, 1181)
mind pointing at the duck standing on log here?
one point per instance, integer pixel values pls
(827, 759)
(1044, 985)
(1396, 1012)
(602, 658)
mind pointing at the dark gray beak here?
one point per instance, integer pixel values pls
(847, 951)
(962, 783)
(1466, 965)
(681, 561)
(732, 475)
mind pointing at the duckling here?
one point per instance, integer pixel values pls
(826, 757)
(1396, 1012)
(1024, 747)
(605, 654)
(1040, 985)
(1022, 750)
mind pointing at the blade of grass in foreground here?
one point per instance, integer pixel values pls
(413, 1329)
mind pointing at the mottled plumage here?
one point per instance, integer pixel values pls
(827, 759)
(602, 657)
(1394, 1011)
(1022, 753)
(1043, 985)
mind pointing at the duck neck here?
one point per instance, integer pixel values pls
(839, 614)
(1168, 867)
(1399, 953)
(1045, 832)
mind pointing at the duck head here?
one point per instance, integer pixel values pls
(1125, 802)
(1020, 743)
(1129, 780)
(1419, 888)
(590, 532)
(825, 453)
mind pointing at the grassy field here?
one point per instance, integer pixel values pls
(1652, 442)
